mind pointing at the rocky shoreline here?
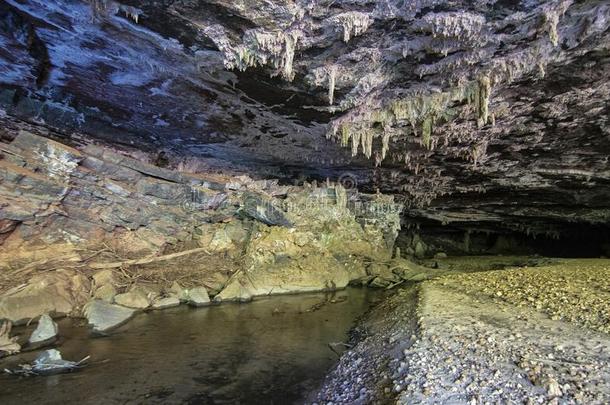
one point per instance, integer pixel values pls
(91, 232)
(474, 342)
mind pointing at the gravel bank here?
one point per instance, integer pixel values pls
(520, 335)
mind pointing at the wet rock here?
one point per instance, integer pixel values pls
(137, 298)
(45, 332)
(198, 297)
(167, 302)
(103, 316)
(57, 293)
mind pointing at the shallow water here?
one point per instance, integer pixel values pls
(270, 351)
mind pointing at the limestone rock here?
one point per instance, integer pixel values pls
(167, 302)
(103, 316)
(104, 277)
(106, 293)
(180, 292)
(137, 298)
(303, 274)
(45, 332)
(198, 297)
(57, 293)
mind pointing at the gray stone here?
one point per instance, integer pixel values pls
(103, 316)
(45, 333)
(198, 297)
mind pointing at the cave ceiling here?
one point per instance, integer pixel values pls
(470, 111)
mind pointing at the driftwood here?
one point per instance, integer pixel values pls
(146, 260)
(8, 344)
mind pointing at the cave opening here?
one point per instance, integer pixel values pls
(294, 201)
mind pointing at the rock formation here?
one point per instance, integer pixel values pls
(481, 116)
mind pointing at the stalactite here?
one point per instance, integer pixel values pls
(332, 76)
(385, 142)
(551, 14)
(105, 8)
(426, 132)
(483, 101)
(355, 143)
(345, 134)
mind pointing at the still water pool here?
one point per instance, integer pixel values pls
(271, 351)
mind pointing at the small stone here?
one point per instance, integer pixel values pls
(198, 297)
(553, 388)
(45, 332)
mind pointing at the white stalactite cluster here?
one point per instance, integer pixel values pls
(103, 8)
(261, 48)
(421, 112)
(353, 23)
(459, 25)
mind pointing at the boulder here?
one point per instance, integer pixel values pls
(45, 332)
(137, 298)
(57, 293)
(198, 297)
(167, 302)
(103, 316)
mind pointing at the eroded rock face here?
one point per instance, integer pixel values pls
(486, 114)
(229, 237)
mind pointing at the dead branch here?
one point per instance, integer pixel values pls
(146, 260)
